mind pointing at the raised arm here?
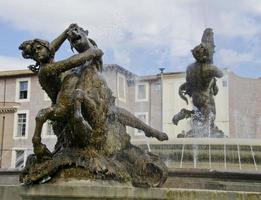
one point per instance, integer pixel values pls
(57, 42)
(73, 61)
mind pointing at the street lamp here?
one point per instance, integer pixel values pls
(161, 88)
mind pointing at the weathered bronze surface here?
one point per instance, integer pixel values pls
(201, 86)
(91, 130)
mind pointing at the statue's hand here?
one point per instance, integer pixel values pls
(72, 26)
(98, 53)
(95, 52)
(34, 68)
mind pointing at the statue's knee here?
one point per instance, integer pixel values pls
(59, 112)
(39, 117)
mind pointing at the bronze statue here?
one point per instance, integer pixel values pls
(91, 130)
(201, 86)
(43, 53)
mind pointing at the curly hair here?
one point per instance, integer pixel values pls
(201, 53)
(27, 48)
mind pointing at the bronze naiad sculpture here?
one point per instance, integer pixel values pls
(201, 86)
(92, 140)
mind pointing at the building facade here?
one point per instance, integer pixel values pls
(141, 95)
(172, 104)
(154, 99)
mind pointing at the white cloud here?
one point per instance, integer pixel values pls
(123, 25)
(233, 59)
(121, 57)
(150, 22)
(11, 63)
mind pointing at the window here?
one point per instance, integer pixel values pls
(141, 92)
(23, 89)
(143, 116)
(18, 158)
(224, 83)
(121, 87)
(21, 124)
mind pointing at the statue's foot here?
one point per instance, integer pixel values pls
(175, 120)
(157, 134)
(42, 152)
(163, 136)
(184, 113)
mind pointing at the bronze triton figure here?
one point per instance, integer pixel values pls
(201, 86)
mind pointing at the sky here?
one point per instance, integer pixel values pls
(139, 35)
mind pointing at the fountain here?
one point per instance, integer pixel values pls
(93, 148)
(201, 86)
(94, 158)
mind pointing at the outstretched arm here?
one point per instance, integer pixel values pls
(214, 71)
(73, 61)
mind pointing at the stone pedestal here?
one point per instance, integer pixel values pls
(84, 189)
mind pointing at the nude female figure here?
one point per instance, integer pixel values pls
(60, 90)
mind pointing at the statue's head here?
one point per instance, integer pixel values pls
(201, 53)
(38, 50)
(78, 39)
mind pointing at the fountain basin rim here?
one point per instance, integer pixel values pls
(216, 174)
(204, 141)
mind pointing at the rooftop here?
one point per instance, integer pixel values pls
(16, 73)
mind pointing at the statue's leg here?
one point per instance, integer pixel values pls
(128, 119)
(80, 123)
(183, 113)
(40, 149)
(40, 119)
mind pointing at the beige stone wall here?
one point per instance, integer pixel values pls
(155, 108)
(6, 129)
(237, 103)
(244, 107)
(152, 106)
(222, 105)
(172, 104)
(35, 103)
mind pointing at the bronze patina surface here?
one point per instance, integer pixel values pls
(201, 86)
(91, 130)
